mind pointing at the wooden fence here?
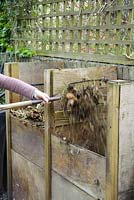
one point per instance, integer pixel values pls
(76, 26)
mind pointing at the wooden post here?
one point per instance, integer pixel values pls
(9, 70)
(120, 141)
(49, 110)
(112, 141)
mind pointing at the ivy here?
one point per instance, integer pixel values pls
(9, 10)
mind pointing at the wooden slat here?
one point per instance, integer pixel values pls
(117, 35)
(57, 25)
(80, 28)
(50, 31)
(81, 40)
(64, 24)
(130, 31)
(69, 13)
(108, 15)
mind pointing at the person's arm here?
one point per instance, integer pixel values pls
(22, 88)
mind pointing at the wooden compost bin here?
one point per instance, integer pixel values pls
(46, 167)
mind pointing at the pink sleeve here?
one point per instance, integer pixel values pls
(16, 86)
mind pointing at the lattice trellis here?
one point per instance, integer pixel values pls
(90, 26)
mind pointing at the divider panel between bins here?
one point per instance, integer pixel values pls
(91, 178)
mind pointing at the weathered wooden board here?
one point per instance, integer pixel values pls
(63, 77)
(126, 143)
(64, 190)
(28, 183)
(27, 179)
(78, 165)
(34, 72)
(27, 140)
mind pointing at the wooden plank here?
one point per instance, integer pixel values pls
(80, 166)
(112, 141)
(63, 189)
(28, 179)
(63, 77)
(28, 183)
(25, 137)
(126, 143)
(32, 72)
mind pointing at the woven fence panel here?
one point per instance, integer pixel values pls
(80, 26)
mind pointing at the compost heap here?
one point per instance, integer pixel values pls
(85, 106)
(31, 114)
(87, 102)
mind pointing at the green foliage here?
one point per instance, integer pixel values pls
(9, 10)
(5, 31)
(25, 52)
